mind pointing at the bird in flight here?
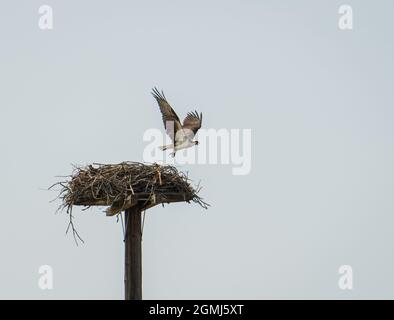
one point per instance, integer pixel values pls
(181, 134)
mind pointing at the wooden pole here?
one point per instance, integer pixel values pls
(133, 253)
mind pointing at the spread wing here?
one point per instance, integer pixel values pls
(193, 121)
(170, 119)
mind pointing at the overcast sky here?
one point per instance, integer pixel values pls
(319, 101)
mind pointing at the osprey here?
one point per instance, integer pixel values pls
(181, 134)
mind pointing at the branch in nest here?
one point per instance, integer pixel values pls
(124, 185)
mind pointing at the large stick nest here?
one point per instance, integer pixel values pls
(124, 185)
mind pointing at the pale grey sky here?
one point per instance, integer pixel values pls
(319, 102)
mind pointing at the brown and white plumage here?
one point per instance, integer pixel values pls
(192, 121)
(181, 134)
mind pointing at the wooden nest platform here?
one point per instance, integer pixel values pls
(125, 185)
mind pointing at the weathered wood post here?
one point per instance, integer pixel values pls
(133, 254)
(131, 187)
